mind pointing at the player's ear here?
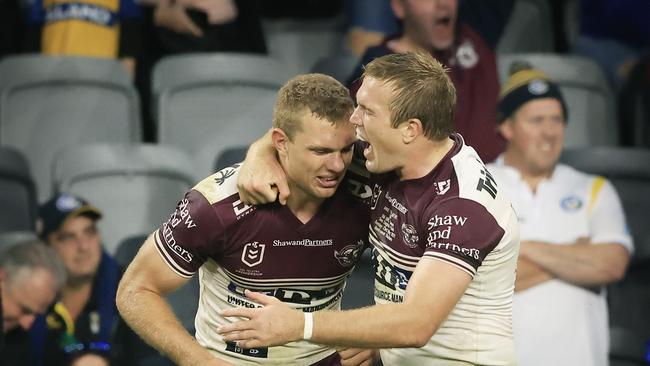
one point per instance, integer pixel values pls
(280, 140)
(410, 130)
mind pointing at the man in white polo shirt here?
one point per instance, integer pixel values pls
(574, 238)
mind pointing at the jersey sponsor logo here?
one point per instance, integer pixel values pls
(487, 183)
(349, 254)
(388, 296)
(571, 203)
(446, 220)
(262, 352)
(303, 243)
(222, 175)
(170, 241)
(241, 209)
(79, 11)
(288, 295)
(253, 254)
(389, 275)
(442, 187)
(410, 235)
(467, 252)
(396, 204)
(182, 214)
(376, 192)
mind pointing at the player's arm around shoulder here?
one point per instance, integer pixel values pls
(432, 293)
(140, 301)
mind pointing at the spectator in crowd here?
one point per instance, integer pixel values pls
(445, 238)
(432, 26)
(301, 253)
(31, 275)
(110, 29)
(614, 33)
(175, 27)
(370, 21)
(82, 322)
(573, 230)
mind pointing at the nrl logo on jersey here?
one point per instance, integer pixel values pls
(442, 187)
(349, 254)
(253, 254)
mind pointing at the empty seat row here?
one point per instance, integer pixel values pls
(205, 103)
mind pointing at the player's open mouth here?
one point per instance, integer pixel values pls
(328, 182)
(443, 21)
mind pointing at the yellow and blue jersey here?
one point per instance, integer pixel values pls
(81, 27)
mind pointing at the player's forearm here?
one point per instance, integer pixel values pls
(530, 275)
(151, 318)
(261, 148)
(379, 326)
(581, 263)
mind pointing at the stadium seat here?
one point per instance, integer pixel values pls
(300, 43)
(9, 238)
(17, 192)
(208, 102)
(135, 186)
(629, 299)
(529, 28)
(340, 67)
(184, 303)
(230, 156)
(591, 105)
(47, 103)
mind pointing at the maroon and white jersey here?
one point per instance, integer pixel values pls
(454, 214)
(267, 249)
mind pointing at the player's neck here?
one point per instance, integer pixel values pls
(303, 205)
(422, 156)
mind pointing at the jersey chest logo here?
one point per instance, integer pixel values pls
(253, 254)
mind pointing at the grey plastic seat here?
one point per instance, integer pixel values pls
(340, 67)
(184, 301)
(300, 43)
(591, 105)
(208, 102)
(50, 102)
(17, 192)
(9, 238)
(136, 187)
(629, 300)
(230, 156)
(529, 28)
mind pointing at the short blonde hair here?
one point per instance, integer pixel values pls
(421, 89)
(318, 94)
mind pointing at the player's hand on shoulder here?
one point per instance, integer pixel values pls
(358, 356)
(262, 181)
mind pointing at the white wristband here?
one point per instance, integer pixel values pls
(309, 326)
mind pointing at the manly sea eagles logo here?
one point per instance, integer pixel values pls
(253, 254)
(410, 235)
(349, 254)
